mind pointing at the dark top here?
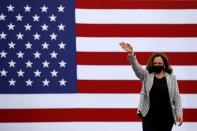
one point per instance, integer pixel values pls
(160, 108)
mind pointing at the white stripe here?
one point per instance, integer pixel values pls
(108, 72)
(26, 101)
(86, 126)
(139, 16)
(142, 44)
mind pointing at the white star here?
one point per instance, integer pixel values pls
(44, 27)
(28, 45)
(3, 54)
(53, 55)
(54, 73)
(20, 73)
(36, 36)
(12, 63)
(3, 72)
(10, 8)
(62, 64)
(19, 36)
(11, 45)
(12, 82)
(29, 82)
(36, 17)
(3, 35)
(11, 26)
(46, 82)
(44, 8)
(19, 17)
(45, 45)
(62, 82)
(53, 36)
(2, 17)
(29, 64)
(27, 26)
(62, 45)
(37, 73)
(27, 8)
(52, 17)
(61, 27)
(45, 64)
(37, 54)
(60, 8)
(20, 54)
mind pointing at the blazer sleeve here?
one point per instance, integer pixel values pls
(177, 99)
(137, 68)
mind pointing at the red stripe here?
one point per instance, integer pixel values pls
(131, 4)
(126, 86)
(75, 115)
(136, 30)
(120, 58)
(108, 86)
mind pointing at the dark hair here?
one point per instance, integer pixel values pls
(167, 65)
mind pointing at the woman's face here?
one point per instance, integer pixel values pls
(158, 61)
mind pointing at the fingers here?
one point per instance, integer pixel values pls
(179, 120)
(126, 45)
(123, 44)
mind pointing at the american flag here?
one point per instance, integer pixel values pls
(61, 66)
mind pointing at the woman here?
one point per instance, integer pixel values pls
(160, 103)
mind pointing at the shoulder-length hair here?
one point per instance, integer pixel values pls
(167, 66)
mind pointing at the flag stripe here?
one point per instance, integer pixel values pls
(136, 30)
(133, 16)
(73, 126)
(124, 23)
(71, 115)
(126, 86)
(119, 58)
(80, 100)
(85, 126)
(142, 44)
(120, 72)
(118, 4)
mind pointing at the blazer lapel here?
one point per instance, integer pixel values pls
(150, 83)
(170, 90)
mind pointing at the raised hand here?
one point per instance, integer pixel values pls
(127, 47)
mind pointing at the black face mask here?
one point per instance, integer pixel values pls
(158, 69)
